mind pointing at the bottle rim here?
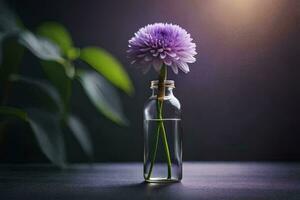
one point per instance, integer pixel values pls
(167, 83)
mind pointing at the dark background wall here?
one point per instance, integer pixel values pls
(240, 100)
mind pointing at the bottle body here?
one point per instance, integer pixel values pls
(162, 138)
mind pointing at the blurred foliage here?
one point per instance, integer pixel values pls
(53, 46)
(99, 58)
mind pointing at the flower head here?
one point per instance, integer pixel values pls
(162, 43)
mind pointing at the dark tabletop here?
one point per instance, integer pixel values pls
(201, 180)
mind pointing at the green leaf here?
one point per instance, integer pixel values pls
(16, 112)
(12, 55)
(81, 134)
(56, 73)
(102, 95)
(46, 128)
(43, 86)
(41, 47)
(73, 53)
(56, 33)
(106, 64)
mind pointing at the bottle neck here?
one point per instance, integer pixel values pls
(168, 87)
(168, 91)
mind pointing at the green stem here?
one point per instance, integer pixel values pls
(165, 142)
(154, 152)
(160, 99)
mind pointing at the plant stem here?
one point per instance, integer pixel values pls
(160, 99)
(154, 153)
(165, 142)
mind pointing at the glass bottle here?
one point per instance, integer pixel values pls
(162, 136)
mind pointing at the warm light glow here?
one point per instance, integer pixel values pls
(241, 9)
(242, 12)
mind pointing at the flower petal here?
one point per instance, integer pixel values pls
(163, 43)
(184, 67)
(168, 62)
(171, 54)
(163, 55)
(175, 69)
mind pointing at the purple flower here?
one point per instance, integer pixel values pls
(158, 44)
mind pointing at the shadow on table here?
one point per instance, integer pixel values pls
(151, 186)
(150, 189)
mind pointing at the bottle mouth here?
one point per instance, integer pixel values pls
(167, 83)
